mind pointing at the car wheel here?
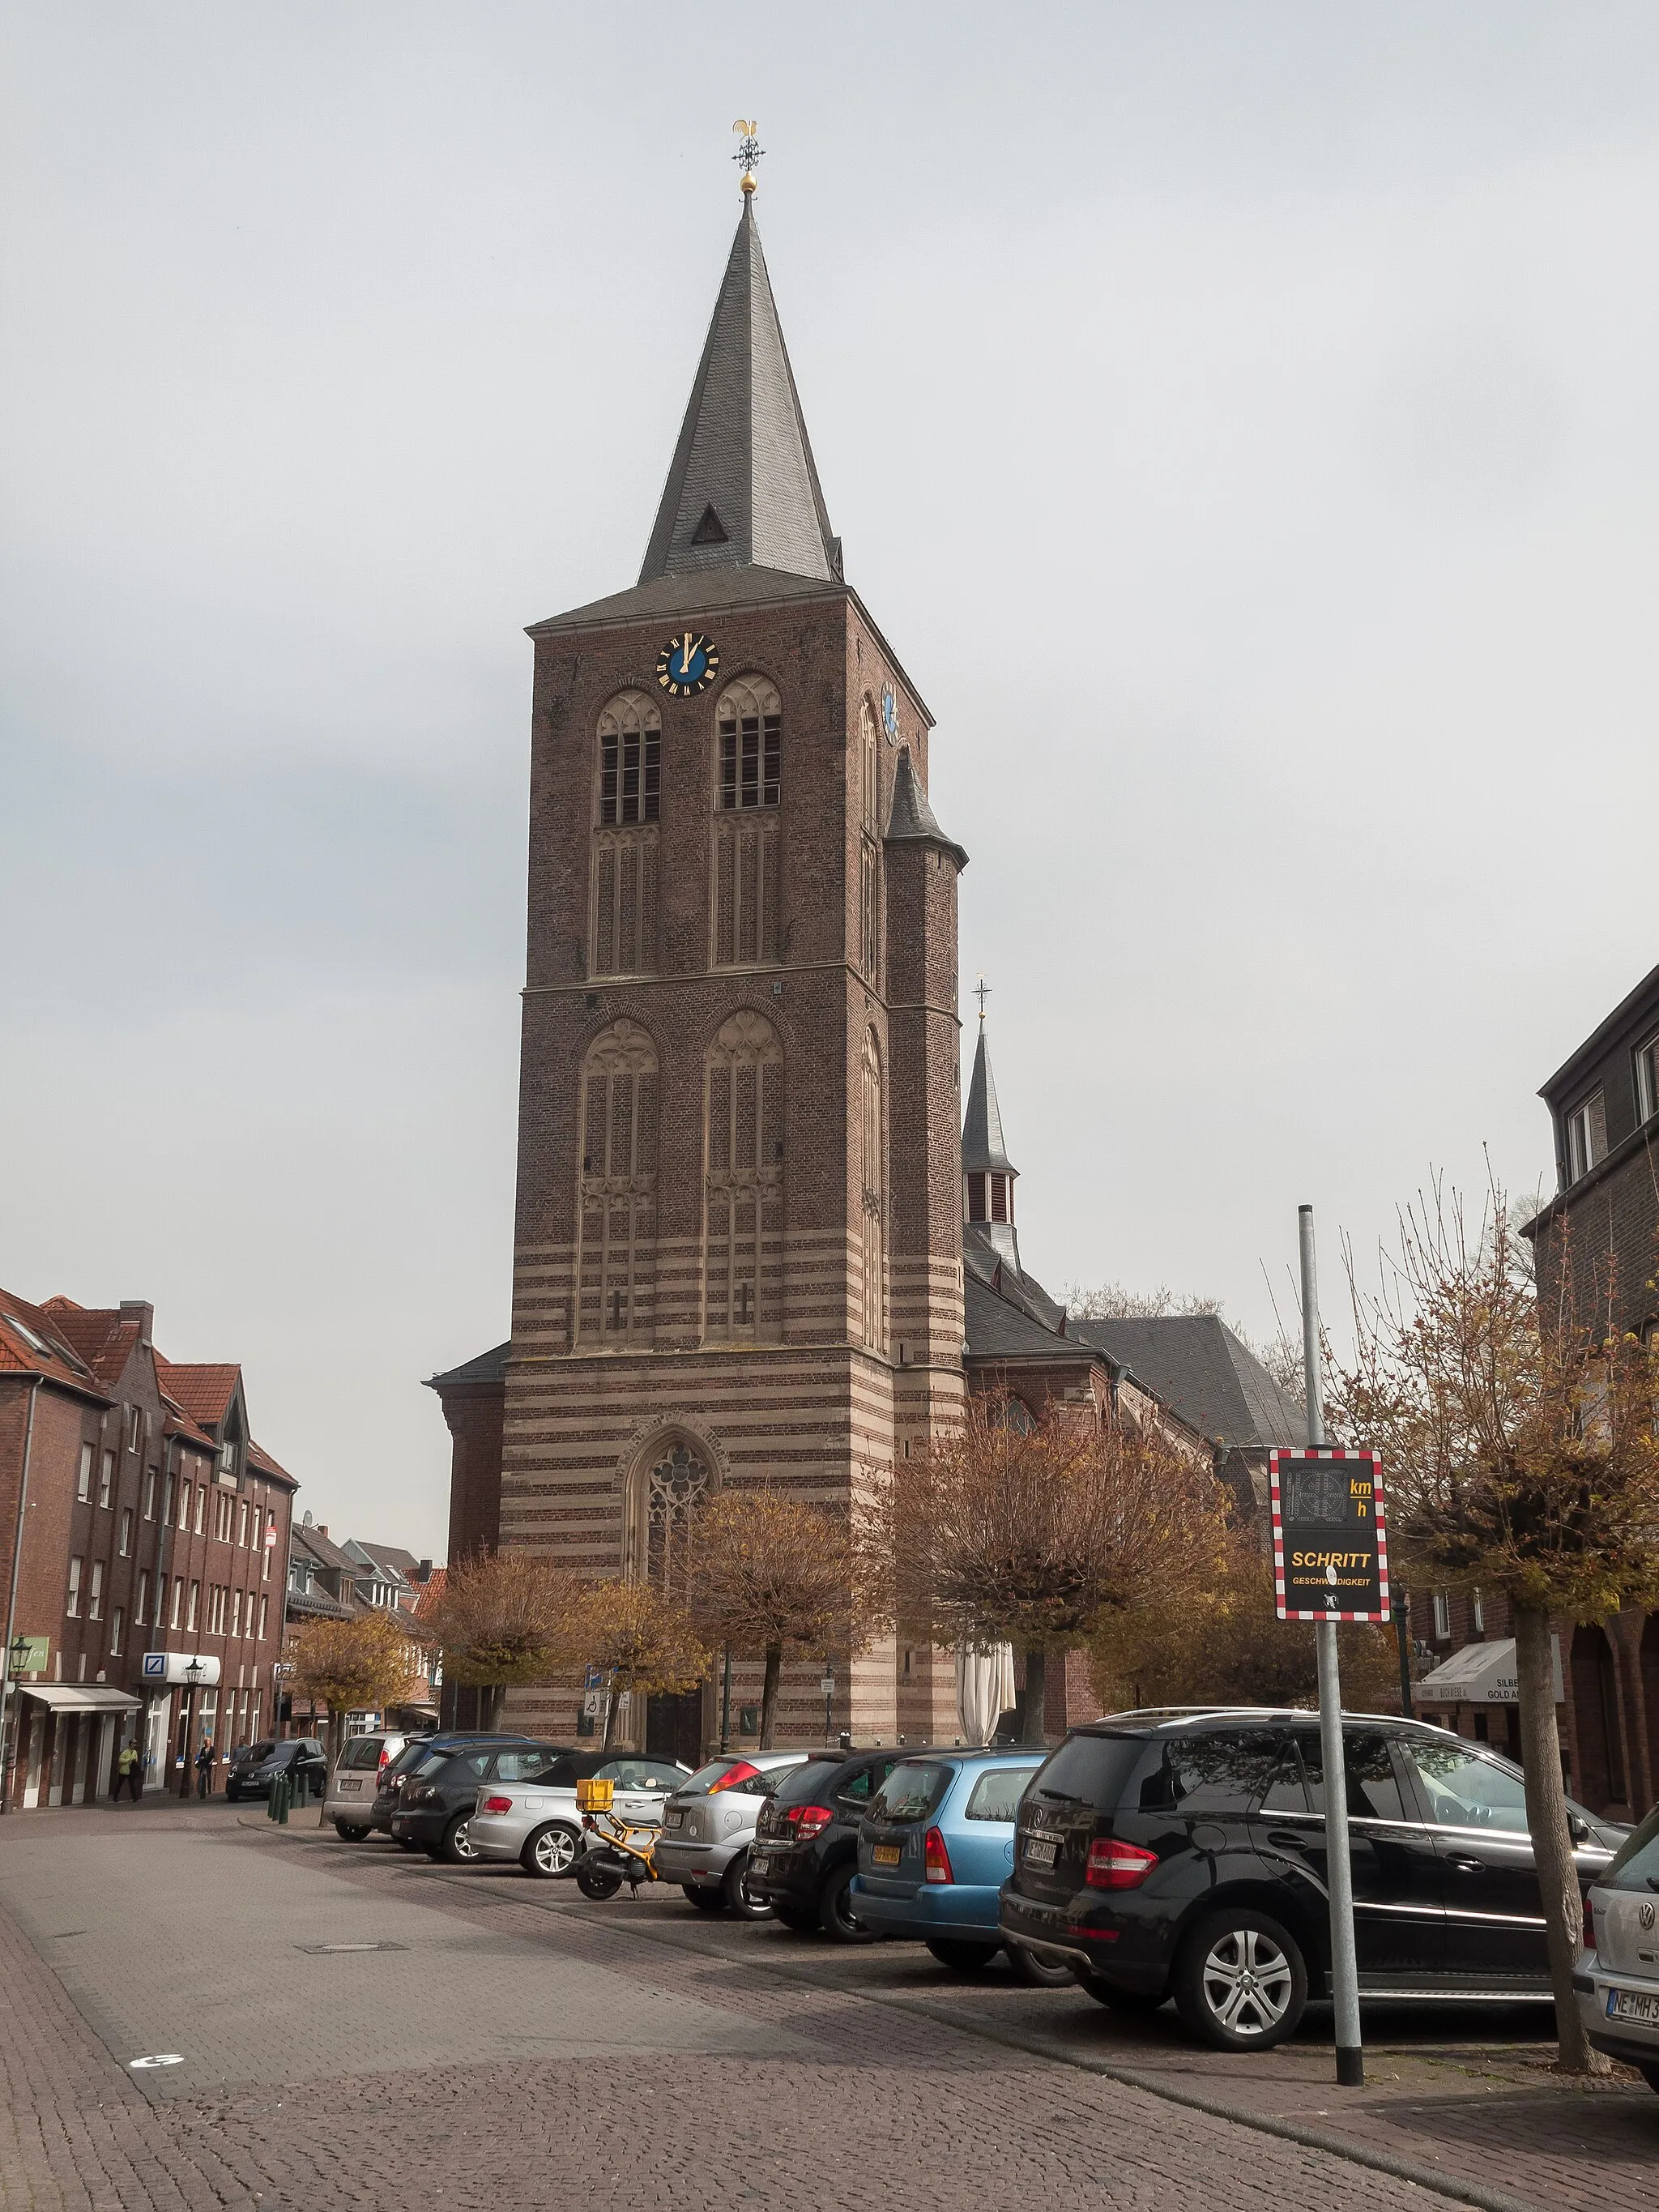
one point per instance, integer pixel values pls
(740, 1898)
(1649, 2074)
(407, 1843)
(706, 1897)
(961, 1958)
(597, 1882)
(551, 1852)
(1240, 1982)
(233, 1796)
(1119, 1999)
(797, 1920)
(457, 1845)
(348, 1831)
(837, 1914)
(1036, 1973)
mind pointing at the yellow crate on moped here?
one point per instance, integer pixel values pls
(595, 1795)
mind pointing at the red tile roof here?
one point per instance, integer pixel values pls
(262, 1463)
(205, 1393)
(50, 1353)
(98, 1334)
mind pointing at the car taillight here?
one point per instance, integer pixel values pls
(1113, 1865)
(735, 1777)
(806, 1820)
(936, 1858)
(498, 1804)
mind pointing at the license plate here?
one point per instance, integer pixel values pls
(1039, 1851)
(351, 1782)
(675, 1819)
(1632, 2004)
(887, 1853)
(758, 1865)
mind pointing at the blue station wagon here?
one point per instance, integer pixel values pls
(935, 1850)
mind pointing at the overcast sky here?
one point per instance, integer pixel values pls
(1240, 417)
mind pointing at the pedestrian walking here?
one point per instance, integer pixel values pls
(205, 1759)
(130, 1771)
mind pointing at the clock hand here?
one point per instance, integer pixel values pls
(685, 658)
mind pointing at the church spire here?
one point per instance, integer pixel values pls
(988, 1173)
(742, 490)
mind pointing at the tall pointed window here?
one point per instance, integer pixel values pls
(748, 726)
(874, 1153)
(622, 924)
(743, 1198)
(616, 1266)
(869, 850)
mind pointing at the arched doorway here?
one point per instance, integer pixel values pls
(672, 1476)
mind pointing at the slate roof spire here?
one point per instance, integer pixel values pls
(742, 490)
(982, 1144)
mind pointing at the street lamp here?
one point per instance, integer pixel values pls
(19, 1652)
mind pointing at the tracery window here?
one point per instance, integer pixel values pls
(745, 873)
(872, 1148)
(742, 1199)
(623, 923)
(615, 1265)
(675, 1488)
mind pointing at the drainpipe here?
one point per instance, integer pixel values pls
(6, 1731)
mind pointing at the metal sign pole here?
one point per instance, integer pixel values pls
(1345, 1971)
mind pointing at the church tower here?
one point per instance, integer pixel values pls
(739, 1238)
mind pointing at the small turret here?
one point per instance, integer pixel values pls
(987, 1174)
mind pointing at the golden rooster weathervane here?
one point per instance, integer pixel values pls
(749, 152)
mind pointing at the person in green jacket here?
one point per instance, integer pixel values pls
(129, 1770)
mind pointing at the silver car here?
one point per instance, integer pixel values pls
(356, 1780)
(1617, 1981)
(708, 1824)
(533, 1818)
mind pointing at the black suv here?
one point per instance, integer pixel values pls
(254, 1767)
(440, 1793)
(416, 1752)
(1182, 1854)
(805, 1850)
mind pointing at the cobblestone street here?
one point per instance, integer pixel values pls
(507, 2043)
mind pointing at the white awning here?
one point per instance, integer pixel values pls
(1483, 1674)
(79, 1697)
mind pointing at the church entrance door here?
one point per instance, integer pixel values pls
(673, 1728)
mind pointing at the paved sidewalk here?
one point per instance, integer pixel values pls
(740, 2064)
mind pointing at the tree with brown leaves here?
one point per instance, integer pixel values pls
(1031, 1535)
(1218, 1640)
(504, 1617)
(770, 1577)
(1518, 1445)
(351, 1666)
(642, 1642)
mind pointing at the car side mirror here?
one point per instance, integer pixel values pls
(1578, 1829)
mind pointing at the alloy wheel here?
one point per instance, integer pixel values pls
(554, 1852)
(1248, 1982)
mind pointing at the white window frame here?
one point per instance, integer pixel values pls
(150, 1495)
(1441, 1614)
(178, 1600)
(1581, 1155)
(95, 1592)
(141, 1600)
(1647, 1078)
(107, 1480)
(194, 1606)
(83, 1481)
(126, 1532)
(72, 1604)
(1478, 1612)
(117, 1622)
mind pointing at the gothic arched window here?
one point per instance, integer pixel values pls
(874, 1153)
(749, 724)
(743, 1171)
(617, 1251)
(622, 933)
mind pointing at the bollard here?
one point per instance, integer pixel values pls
(279, 1791)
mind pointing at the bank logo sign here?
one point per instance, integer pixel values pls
(1330, 1535)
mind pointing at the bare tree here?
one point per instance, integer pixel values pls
(1113, 1302)
(642, 1642)
(1030, 1534)
(770, 1577)
(364, 1663)
(1518, 1444)
(504, 1617)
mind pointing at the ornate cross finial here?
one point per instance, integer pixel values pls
(981, 992)
(749, 152)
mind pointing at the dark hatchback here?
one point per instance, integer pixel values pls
(253, 1770)
(1182, 1854)
(395, 1777)
(805, 1850)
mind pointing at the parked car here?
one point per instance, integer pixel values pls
(534, 1820)
(435, 1806)
(1618, 1977)
(805, 1853)
(1182, 1854)
(255, 1766)
(394, 1776)
(708, 1824)
(934, 1853)
(356, 1781)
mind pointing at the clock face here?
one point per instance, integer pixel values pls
(890, 712)
(687, 665)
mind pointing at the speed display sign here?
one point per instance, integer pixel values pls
(1330, 1535)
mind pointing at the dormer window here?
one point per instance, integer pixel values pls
(1587, 1136)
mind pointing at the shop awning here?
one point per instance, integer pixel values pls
(79, 1697)
(1482, 1674)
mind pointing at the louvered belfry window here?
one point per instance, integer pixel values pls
(616, 1266)
(751, 754)
(745, 876)
(743, 1197)
(623, 928)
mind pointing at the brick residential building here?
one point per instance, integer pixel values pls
(137, 1516)
(328, 1581)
